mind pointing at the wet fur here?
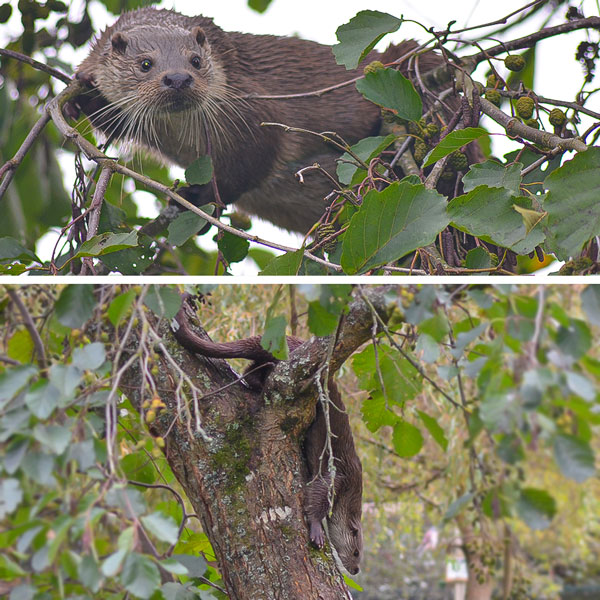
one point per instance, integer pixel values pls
(344, 522)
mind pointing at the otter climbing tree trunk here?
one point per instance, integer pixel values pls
(238, 456)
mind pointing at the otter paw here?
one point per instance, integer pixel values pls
(317, 534)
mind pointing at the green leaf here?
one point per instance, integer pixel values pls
(366, 150)
(196, 565)
(427, 349)
(11, 249)
(574, 457)
(489, 214)
(200, 171)
(174, 566)
(400, 380)
(75, 305)
(162, 526)
(457, 506)
(407, 439)
(140, 576)
(39, 467)
(574, 340)
(274, 339)
(453, 141)
(12, 380)
(376, 414)
(322, 320)
(187, 225)
(11, 495)
(132, 261)
(392, 223)
(233, 247)
(581, 385)
(89, 573)
(55, 438)
(352, 584)
(437, 433)
(21, 346)
(23, 591)
(536, 507)
(89, 357)
(286, 264)
(389, 89)
(494, 174)
(119, 308)
(105, 243)
(163, 301)
(261, 256)
(359, 36)
(590, 302)
(572, 204)
(259, 6)
(478, 258)
(14, 455)
(112, 565)
(65, 378)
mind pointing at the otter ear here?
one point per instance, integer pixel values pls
(119, 43)
(200, 36)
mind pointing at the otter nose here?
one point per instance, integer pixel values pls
(177, 81)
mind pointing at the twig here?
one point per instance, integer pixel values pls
(531, 40)
(36, 64)
(95, 210)
(30, 326)
(7, 171)
(514, 128)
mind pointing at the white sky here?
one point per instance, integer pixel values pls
(557, 74)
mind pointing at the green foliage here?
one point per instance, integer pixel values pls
(391, 224)
(389, 89)
(200, 171)
(358, 37)
(454, 141)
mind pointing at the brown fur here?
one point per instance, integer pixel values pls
(344, 522)
(254, 165)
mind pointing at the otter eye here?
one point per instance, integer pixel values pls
(196, 62)
(356, 553)
(146, 65)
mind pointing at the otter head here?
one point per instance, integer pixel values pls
(164, 69)
(345, 532)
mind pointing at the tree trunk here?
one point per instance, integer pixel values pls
(245, 473)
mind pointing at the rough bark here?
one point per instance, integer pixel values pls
(246, 482)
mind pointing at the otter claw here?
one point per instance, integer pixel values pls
(317, 535)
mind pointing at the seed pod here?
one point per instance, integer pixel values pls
(532, 123)
(420, 151)
(494, 97)
(514, 62)
(376, 65)
(323, 231)
(458, 161)
(557, 117)
(525, 106)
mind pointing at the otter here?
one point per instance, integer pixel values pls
(344, 523)
(182, 87)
